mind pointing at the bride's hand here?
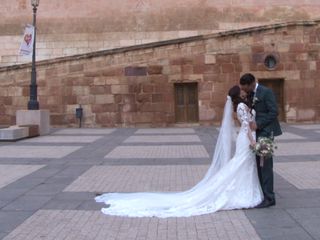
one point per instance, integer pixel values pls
(253, 144)
(253, 126)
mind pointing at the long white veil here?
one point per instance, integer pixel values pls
(201, 199)
(225, 142)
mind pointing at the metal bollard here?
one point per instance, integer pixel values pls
(79, 114)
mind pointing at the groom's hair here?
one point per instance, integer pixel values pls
(247, 79)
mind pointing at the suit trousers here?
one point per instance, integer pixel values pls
(265, 174)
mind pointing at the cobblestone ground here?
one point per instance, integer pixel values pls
(48, 185)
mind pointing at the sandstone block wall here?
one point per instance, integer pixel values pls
(135, 86)
(69, 27)
(59, 45)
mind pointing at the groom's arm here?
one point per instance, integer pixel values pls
(272, 108)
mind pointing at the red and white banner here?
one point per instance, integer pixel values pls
(26, 47)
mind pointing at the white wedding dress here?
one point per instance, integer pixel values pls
(230, 182)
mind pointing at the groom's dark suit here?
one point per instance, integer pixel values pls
(265, 105)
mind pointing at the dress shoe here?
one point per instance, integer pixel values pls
(266, 203)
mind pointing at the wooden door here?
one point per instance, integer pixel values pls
(186, 102)
(277, 87)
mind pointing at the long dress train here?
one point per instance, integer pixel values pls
(230, 183)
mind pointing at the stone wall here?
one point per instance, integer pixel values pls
(134, 86)
(59, 45)
(75, 26)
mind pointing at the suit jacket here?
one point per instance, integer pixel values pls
(265, 105)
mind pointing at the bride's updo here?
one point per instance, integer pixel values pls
(234, 93)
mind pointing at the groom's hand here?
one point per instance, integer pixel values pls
(253, 126)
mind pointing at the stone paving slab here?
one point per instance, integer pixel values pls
(9, 220)
(27, 203)
(297, 148)
(62, 139)
(165, 131)
(155, 161)
(89, 131)
(20, 151)
(57, 200)
(309, 218)
(87, 225)
(277, 224)
(289, 136)
(163, 139)
(308, 127)
(303, 175)
(138, 178)
(164, 151)
(11, 173)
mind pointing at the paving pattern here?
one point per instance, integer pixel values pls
(11, 173)
(289, 136)
(165, 151)
(48, 185)
(20, 151)
(163, 139)
(165, 131)
(85, 131)
(308, 127)
(86, 225)
(63, 139)
(303, 175)
(298, 148)
(138, 178)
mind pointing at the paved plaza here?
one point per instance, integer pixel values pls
(48, 185)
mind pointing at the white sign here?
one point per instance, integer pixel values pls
(26, 47)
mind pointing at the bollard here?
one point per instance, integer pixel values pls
(79, 114)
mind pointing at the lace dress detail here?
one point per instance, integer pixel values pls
(245, 117)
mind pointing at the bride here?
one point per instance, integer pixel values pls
(230, 182)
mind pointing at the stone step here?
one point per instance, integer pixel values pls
(13, 133)
(33, 130)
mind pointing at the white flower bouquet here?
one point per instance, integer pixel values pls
(264, 148)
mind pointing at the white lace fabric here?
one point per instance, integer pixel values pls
(230, 182)
(245, 116)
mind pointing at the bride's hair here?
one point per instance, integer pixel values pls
(234, 93)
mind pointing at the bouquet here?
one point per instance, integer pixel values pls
(264, 148)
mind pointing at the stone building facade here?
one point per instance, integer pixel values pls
(68, 27)
(177, 81)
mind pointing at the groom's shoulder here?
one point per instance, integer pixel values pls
(262, 87)
(265, 89)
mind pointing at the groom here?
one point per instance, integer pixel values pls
(266, 125)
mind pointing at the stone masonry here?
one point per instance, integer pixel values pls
(134, 86)
(68, 27)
